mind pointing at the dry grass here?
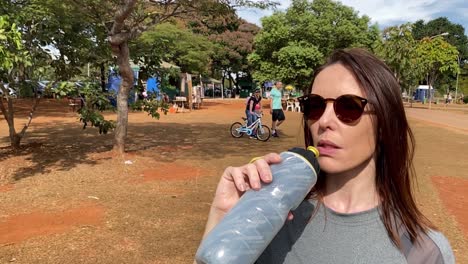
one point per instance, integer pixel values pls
(154, 210)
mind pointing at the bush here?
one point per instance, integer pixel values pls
(465, 99)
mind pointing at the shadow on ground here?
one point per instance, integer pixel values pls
(64, 146)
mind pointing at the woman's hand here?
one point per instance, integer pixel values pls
(235, 181)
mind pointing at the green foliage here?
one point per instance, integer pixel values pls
(94, 101)
(58, 37)
(399, 51)
(171, 43)
(437, 57)
(463, 80)
(96, 119)
(12, 51)
(233, 46)
(152, 105)
(456, 33)
(453, 34)
(294, 43)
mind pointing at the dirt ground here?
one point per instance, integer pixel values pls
(65, 198)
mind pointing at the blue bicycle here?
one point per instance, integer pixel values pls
(256, 129)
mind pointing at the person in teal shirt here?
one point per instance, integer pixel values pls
(276, 109)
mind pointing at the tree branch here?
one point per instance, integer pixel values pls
(30, 117)
(121, 15)
(5, 94)
(4, 110)
(119, 38)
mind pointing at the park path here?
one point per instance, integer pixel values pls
(441, 118)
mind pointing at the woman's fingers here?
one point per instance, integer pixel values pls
(252, 173)
(264, 170)
(263, 166)
(238, 176)
(272, 158)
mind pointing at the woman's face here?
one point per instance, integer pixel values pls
(342, 146)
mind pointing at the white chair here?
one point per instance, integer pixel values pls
(297, 107)
(290, 105)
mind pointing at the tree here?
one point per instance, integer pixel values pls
(232, 50)
(453, 34)
(59, 44)
(456, 33)
(292, 44)
(463, 80)
(233, 38)
(398, 50)
(130, 19)
(50, 26)
(13, 58)
(437, 57)
(171, 43)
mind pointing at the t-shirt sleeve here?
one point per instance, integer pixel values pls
(432, 248)
(444, 246)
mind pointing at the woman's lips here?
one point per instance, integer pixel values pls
(327, 148)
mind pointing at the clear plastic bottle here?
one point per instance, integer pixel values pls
(248, 228)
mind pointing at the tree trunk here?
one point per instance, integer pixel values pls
(230, 80)
(15, 141)
(122, 97)
(9, 117)
(118, 39)
(103, 77)
(222, 82)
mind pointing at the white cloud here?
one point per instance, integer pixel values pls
(388, 12)
(253, 15)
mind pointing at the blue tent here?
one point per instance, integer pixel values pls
(152, 85)
(113, 85)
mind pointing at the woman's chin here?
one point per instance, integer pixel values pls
(330, 165)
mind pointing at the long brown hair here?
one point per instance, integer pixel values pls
(395, 143)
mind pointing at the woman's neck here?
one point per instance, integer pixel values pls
(352, 191)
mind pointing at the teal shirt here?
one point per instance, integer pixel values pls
(275, 95)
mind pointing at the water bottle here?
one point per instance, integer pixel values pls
(248, 228)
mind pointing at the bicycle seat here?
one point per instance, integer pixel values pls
(243, 118)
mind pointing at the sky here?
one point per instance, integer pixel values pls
(388, 12)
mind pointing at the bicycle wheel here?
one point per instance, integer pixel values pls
(263, 133)
(235, 130)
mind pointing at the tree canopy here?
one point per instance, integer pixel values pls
(456, 33)
(180, 46)
(437, 57)
(292, 44)
(398, 49)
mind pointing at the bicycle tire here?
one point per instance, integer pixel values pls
(234, 130)
(265, 135)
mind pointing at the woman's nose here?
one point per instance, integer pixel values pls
(328, 118)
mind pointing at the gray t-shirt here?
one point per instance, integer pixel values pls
(331, 237)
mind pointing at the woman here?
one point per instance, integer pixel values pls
(362, 209)
(253, 105)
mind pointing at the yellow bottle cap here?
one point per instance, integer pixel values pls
(314, 150)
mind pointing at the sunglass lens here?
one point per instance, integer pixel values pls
(315, 107)
(349, 108)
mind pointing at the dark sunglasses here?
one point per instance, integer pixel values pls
(348, 108)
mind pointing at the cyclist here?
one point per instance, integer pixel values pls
(253, 105)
